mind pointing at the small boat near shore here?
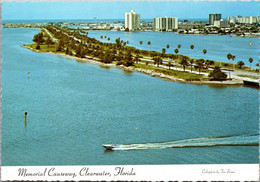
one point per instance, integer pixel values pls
(109, 146)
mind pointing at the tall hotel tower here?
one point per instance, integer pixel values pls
(165, 23)
(214, 17)
(132, 20)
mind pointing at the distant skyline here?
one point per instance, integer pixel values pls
(116, 9)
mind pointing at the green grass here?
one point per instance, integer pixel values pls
(181, 67)
(143, 66)
(177, 74)
(46, 48)
(43, 47)
(230, 66)
(249, 76)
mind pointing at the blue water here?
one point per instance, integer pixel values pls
(84, 20)
(73, 108)
(217, 46)
(61, 20)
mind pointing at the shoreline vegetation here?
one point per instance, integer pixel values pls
(75, 44)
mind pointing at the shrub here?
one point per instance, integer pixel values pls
(38, 47)
(217, 74)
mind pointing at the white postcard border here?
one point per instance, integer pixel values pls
(205, 172)
(195, 172)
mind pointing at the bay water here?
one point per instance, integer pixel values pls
(73, 108)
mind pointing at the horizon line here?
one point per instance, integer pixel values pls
(95, 19)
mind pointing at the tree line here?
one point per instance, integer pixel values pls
(76, 42)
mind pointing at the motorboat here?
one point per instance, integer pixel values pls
(109, 146)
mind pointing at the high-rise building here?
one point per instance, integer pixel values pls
(165, 23)
(214, 17)
(247, 20)
(221, 23)
(132, 20)
(172, 23)
(231, 19)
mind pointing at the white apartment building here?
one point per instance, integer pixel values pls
(221, 23)
(243, 20)
(231, 19)
(165, 23)
(132, 20)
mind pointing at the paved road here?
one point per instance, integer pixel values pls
(53, 39)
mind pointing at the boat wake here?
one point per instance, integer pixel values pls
(244, 140)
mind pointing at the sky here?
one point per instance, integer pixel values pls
(115, 9)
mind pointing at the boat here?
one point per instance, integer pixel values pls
(109, 146)
(251, 83)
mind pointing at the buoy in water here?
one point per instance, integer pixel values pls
(25, 114)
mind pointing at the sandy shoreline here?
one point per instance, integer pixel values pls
(149, 72)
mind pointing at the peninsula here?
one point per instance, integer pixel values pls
(76, 44)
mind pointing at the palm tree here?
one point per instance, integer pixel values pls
(101, 37)
(192, 47)
(127, 42)
(184, 62)
(207, 62)
(48, 41)
(108, 38)
(204, 51)
(167, 46)
(137, 58)
(141, 42)
(128, 59)
(233, 58)
(240, 64)
(229, 56)
(157, 60)
(163, 52)
(179, 46)
(169, 64)
(176, 51)
(200, 63)
(149, 43)
(117, 41)
(191, 62)
(250, 61)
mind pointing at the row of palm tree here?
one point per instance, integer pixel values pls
(141, 42)
(240, 63)
(229, 56)
(233, 57)
(185, 61)
(108, 38)
(90, 46)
